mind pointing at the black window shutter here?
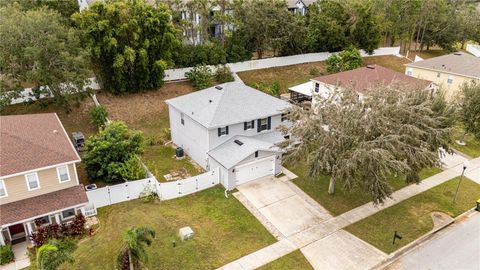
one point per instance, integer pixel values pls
(269, 123)
(259, 123)
(244, 125)
(219, 132)
(226, 129)
(253, 123)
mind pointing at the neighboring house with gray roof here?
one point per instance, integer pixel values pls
(232, 127)
(299, 6)
(448, 71)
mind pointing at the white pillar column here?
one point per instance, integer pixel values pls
(82, 209)
(2, 241)
(57, 218)
(29, 228)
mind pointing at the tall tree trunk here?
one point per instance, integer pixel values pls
(423, 35)
(331, 185)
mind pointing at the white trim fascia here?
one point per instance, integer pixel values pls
(38, 216)
(68, 174)
(2, 183)
(76, 174)
(68, 138)
(444, 71)
(28, 185)
(40, 169)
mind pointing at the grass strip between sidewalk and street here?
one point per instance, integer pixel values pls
(412, 218)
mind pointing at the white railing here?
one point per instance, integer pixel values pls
(473, 49)
(132, 189)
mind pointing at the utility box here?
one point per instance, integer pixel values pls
(185, 233)
(78, 140)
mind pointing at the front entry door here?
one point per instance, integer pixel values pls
(17, 233)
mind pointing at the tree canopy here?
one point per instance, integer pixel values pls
(362, 142)
(470, 108)
(37, 49)
(347, 59)
(130, 43)
(110, 152)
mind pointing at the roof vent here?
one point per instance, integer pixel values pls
(55, 131)
(238, 142)
(371, 66)
(209, 101)
(218, 87)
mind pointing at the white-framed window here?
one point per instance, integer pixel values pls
(32, 181)
(263, 124)
(223, 131)
(249, 125)
(63, 174)
(409, 71)
(450, 79)
(3, 189)
(69, 213)
(317, 87)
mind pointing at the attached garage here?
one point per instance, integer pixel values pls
(254, 170)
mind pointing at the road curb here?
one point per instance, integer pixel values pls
(422, 239)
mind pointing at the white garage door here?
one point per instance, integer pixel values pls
(254, 170)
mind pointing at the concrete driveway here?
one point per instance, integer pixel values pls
(280, 205)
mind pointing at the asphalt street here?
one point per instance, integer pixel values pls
(454, 248)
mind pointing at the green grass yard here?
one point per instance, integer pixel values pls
(224, 231)
(291, 261)
(472, 147)
(411, 218)
(341, 201)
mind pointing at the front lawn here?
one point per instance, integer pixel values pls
(411, 218)
(224, 231)
(289, 76)
(291, 261)
(341, 201)
(472, 146)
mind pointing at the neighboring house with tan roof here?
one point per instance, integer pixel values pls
(360, 79)
(448, 71)
(38, 175)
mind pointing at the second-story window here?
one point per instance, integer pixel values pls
(263, 124)
(317, 87)
(450, 79)
(223, 131)
(248, 125)
(32, 181)
(409, 71)
(3, 190)
(63, 175)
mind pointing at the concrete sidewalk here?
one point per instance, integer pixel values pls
(324, 232)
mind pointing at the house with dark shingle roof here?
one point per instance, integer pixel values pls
(38, 175)
(449, 71)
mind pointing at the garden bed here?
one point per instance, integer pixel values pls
(224, 231)
(341, 201)
(411, 218)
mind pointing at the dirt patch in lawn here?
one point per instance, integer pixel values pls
(131, 108)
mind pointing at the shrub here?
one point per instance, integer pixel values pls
(210, 53)
(274, 89)
(347, 59)
(107, 151)
(99, 115)
(132, 169)
(6, 254)
(223, 74)
(148, 194)
(200, 76)
(53, 254)
(314, 71)
(58, 231)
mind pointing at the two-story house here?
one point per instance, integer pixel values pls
(232, 127)
(449, 71)
(38, 176)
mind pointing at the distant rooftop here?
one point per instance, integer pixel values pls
(227, 104)
(459, 63)
(361, 79)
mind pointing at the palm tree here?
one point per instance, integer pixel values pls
(52, 255)
(136, 239)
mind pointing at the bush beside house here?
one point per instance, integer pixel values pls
(6, 254)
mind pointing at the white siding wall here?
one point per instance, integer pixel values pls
(237, 129)
(192, 136)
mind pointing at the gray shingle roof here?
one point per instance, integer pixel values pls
(230, 153)
(459, 63)
(233, 103)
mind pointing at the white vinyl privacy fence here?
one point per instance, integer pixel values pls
(133, 189)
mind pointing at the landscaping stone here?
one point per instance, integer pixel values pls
(186, 233)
